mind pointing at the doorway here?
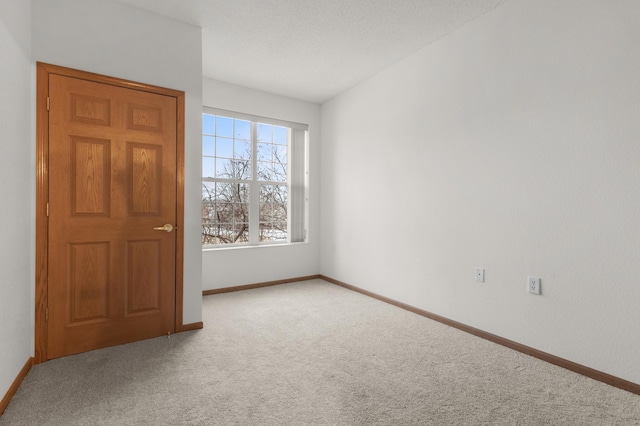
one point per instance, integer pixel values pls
(109, 211)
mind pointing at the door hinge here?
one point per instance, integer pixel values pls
(47, 209)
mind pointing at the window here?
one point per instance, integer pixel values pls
(253, 180)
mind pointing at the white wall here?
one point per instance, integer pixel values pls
(17, 177)
(511, 144)
(249, 265)
(116, 40)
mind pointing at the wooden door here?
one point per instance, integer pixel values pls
(112, 180)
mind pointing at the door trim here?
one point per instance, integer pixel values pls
(42, 191)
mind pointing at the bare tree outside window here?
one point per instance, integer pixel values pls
(225, 207)
(240, 157)
(272, 170)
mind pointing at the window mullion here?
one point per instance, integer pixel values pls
(289, 180)
(254, 189)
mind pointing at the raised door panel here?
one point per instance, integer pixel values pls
(89, 278)
(90, 109)
(144, 166)
(90, 176)
(143, 277)
(144, 117)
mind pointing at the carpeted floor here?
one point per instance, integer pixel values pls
(313, 353)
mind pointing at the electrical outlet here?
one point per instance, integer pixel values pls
(533, 285)
(480, 275)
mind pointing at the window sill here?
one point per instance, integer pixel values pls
(257, 246)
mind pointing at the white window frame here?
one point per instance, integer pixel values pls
(297, 181)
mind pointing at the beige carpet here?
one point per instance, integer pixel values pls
(312, 353)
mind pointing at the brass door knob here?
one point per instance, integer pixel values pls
(166, 228)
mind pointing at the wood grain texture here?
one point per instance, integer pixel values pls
(143, 283)
(179, 323)
(92, 110)
(192, 326)
(144, 166)
(91, 168)
(142, 117)
(96, 293)
(552, 359)
(6, 399)
(42, 197)
(89, 280)
(86, 109)
(113, 81)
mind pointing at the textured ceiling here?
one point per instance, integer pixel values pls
(312, 49)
